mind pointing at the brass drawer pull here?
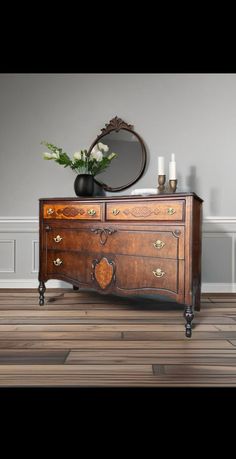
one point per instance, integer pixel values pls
(91, 212)
(57, 262)
(115, 211)
(58, 238)
(158, 244)
(170, 211)
(50, 211)
(158, 272)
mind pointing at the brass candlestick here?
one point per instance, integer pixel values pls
(173, 185)
(161, 183)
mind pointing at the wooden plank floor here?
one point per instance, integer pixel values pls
(83, 339)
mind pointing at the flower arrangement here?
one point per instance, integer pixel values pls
(83, 162)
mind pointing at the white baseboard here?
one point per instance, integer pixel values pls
(32, 283)
(53, 283)
(218, 288)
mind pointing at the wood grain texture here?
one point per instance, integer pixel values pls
(83, 339)
(123, 243)
(151, 243)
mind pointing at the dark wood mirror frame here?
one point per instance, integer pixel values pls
(116, 124)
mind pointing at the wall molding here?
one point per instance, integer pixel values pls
(31, 224)
(19, 219)
(12, 268)
(208, 219)
(219, 224)
(34, 257)
(32, 283)
(53, 283)
(218, 287)
(213, 227)
(19, 225)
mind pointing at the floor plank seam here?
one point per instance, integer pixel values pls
(83, 339)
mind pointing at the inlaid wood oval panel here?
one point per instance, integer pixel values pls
(103, 272)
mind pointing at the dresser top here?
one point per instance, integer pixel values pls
(124, 197)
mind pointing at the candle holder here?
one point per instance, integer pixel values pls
(173, 185)
(161, 183)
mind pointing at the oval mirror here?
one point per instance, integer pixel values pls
(130, 162)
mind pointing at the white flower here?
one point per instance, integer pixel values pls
(102, 147)
(96, 155)
(77, 155)
(47, 155)
(56, 155)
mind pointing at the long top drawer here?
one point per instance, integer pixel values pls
(165, 210)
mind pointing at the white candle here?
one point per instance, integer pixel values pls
(172, 168)
(161, 165)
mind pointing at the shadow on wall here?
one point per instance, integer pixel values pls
(192, 184)
(188, 183)
(217, 247)
(192, 181)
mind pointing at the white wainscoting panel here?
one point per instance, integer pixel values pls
(35, 256)
(19, 267)
(19, 254)
(218, 255)
(7, 255)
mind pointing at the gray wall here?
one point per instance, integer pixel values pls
(192, 115)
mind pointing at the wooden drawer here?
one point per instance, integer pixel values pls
(105, 239)
(140, 273)
(165, 210)
(125, 272)
(72, 211)
(69, 264)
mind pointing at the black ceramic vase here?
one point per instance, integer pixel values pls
(84, 185)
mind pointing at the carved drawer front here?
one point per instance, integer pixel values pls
(72, 211)
(161, 244)
(147, 273)
(90, 239)
(76, 266)
(146, 243)
(165, 210)
(107, 239)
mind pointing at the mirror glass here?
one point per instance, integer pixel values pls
(130, 162)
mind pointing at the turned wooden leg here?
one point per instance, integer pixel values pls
(75, 287)
(188, 314)
(41, 290)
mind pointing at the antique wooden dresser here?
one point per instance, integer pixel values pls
(125, 245)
